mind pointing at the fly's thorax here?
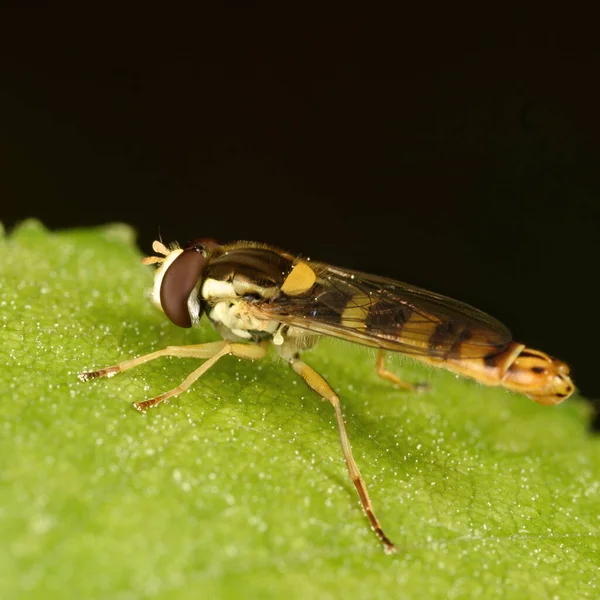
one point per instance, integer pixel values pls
(240, 279)
(235, 320)
(236, 279)
(250, 269)
(231, 314)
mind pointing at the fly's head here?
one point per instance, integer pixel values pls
(178, 280)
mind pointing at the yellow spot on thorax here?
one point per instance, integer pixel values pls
(300, 280)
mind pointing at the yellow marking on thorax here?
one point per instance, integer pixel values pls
(300, 280)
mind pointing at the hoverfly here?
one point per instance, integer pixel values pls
(256, 296)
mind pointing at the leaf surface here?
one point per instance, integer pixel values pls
(238, 487)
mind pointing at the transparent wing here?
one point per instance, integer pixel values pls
(383, 313)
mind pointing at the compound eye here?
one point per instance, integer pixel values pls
(179, 281)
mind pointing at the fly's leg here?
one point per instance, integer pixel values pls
(245, 351)
(194, 351)
(389, 376)
(321, 387)
(212, 351)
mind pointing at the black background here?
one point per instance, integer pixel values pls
(455, 152)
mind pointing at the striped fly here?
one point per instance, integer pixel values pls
(256, 296)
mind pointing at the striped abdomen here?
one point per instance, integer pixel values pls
(391, 315)
(541, 377)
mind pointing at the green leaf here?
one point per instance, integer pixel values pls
(238, 488)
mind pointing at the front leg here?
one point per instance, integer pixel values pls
(212, 351)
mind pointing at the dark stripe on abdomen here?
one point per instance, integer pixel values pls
(383, 316)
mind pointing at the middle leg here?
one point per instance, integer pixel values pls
(321, 387)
